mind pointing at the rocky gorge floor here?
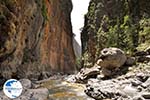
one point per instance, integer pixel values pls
(130, 80)
(116, 77)
(53, 88)
(134, 85)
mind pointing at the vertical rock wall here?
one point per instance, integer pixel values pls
(118, 23)
(35, 38)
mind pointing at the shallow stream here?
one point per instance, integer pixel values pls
(62, 90)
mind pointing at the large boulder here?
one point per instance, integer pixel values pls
(111, 58)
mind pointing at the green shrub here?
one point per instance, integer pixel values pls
(44, 10)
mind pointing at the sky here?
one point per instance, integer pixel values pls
(80, 8)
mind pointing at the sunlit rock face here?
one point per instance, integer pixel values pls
(108, 18)
(35, 38)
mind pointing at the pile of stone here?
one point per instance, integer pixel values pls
(128, 87)
(106, 81)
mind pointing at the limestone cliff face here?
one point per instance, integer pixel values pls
(35, 38)
(117, 23)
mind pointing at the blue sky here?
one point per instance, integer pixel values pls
(80, 8)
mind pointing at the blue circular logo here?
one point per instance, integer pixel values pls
(12, 88)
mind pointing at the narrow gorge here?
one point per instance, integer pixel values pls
(37, 47)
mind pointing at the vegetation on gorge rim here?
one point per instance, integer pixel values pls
(124, 24)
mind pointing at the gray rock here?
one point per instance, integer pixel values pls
(2, 81)
(148, 50)
(146, 84)
(29, 94)
(143, 58)
(142, 76)
(146, 95)
(130, 61)
(26, 83)
(71, 78)
(127, 88)
(39, 94)
(136, 82)
(112, 58)
(102, 89)
(138, 98)
(141, 53)
(130, 91)
(84, 74)
(2, 96)
(107, 72)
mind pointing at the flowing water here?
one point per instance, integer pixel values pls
(62, 90)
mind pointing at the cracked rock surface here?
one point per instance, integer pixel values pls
(135, 86)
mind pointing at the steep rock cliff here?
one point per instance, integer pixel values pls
(35, 38)
(117, 23)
